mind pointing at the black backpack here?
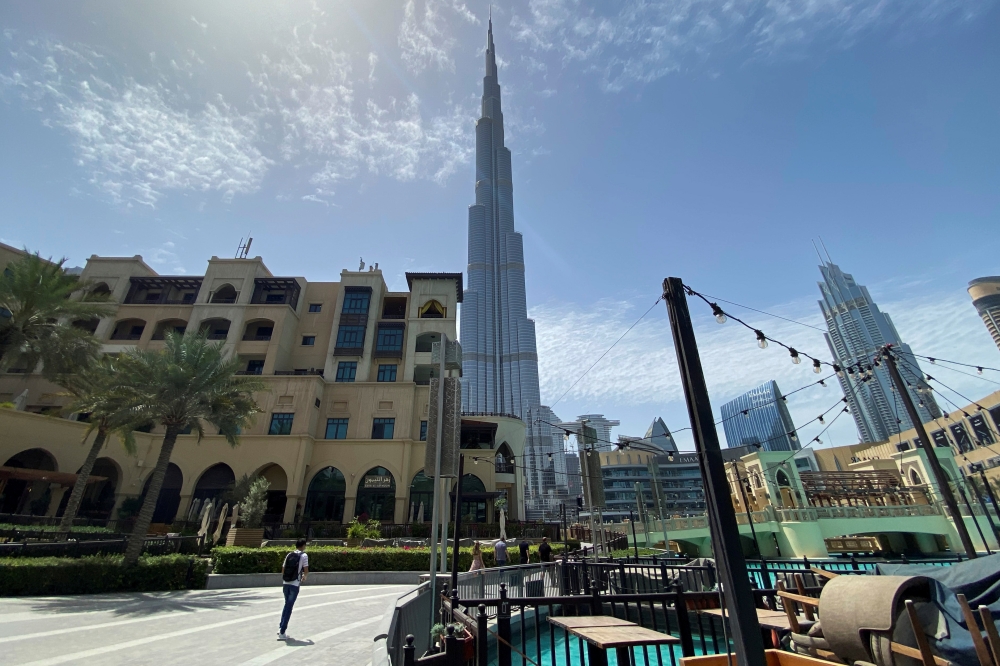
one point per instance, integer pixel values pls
(290, 570)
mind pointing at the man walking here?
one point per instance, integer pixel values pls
(293, 573)
(545, 550)
(500, 552)
(523, 547)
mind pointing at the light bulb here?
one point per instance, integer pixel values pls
(792, 436)
(761, 339)
(821, 383)
(795, 356)
(550, 457)
(931, 359)
(817, 368)
(819, 441)
(979, 370)
(821, 419)
(720, 316)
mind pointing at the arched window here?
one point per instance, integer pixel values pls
(170, 494)
(376, 495)
(177, 326)
(421, 495)
(128, 329)
(259, 330)
(276, 499)
(782, 479)
(216, 329)
(18, 496)
(100, 292)
(476, 502)
(325, 499)
(915, 478)
(432, 310)
(216, 480)
(225, 294)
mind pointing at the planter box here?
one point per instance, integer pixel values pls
(774, 658)
(354, 543)
(244, 536)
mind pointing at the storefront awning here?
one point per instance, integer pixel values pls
(62, 478)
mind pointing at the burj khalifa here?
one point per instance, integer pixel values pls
(499, 356)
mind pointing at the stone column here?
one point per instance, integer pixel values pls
(291, 502)
(401, 514)
(349, 503)
(183, 507)
(55, 500)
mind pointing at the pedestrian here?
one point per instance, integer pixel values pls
(500, 552)
(293, 573)
(545, 550)
(523, 547)
(477, 557)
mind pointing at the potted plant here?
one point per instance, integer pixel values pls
(254, 504)
(356, 533)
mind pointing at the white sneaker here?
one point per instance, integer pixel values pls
(282, 636)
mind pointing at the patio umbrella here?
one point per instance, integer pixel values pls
(503, 524)
(21, 401)
(206, 518)
(413, 512)
(222, 521)
(420, 513)
(236, 513)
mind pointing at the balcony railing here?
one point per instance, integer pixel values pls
(310, 371)
(256, 338)
(127, 336)
(223, 301)
(349, 351)
(215, 336)
(389, 353)
(258, 371)
(504, 468)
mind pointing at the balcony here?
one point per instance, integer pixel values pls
(504, 468)
(276, 291)
(300, 371)
(256, 338)
(161, 290)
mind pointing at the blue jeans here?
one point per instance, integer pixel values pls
(291, 593)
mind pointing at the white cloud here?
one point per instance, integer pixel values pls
(637, 41)
(165, 256)
(137, 141)
(424, 39)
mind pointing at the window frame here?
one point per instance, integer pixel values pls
(315, 307)
(383, 422)
(308, 340)
(338, 422)
(358, 336)
(395, 334)
(277, 418)
(344, 366)
(423, 431)
(385, 369)
(353, 302)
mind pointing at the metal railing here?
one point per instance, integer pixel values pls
(188, 545)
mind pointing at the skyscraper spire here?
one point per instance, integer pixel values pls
(499, 356)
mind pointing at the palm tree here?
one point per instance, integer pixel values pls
(37, 315)
(89, 387)
(185, 385)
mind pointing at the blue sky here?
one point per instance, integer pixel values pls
(706, 139)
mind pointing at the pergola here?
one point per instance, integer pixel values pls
(43, 475)
(862, 488)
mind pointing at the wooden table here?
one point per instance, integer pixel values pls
(768, 619)
(603, 633)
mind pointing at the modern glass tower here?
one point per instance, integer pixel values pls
(499, 356)
(759, 417)
(857, 329)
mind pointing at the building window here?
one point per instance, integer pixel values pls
(387, 373)
(255, 366)
(423, 431)
(382, 428)
(356, 302)
(346, 371)
(308, 340)
(281, 424)
(351, 336)
(390, 338)
(336, 428)
(315, 307)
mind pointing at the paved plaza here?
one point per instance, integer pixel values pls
(332, 624)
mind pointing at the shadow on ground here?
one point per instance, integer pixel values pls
(150, 603)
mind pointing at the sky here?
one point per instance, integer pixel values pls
(711, 140)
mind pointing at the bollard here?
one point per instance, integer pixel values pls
(408, 651)
(503, 628)
(482, 644)
(595, 599)
(684, 623)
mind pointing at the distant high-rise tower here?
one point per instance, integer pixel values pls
(985, 292)
(499, 356)
(857, 329)
(659, 436)
(759, 417)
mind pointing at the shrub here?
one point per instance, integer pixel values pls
(238, 560)
(129, 507)
(100, 573)
(371, 529)
(76, 529)
(254, 504)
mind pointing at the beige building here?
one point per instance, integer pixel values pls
(985, 293)
(347, 365)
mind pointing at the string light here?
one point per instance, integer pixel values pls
(979, 370)
(720, 316)
(550, 457)
(817, 367)
(762, 339)
(795, 356)
(821, 419)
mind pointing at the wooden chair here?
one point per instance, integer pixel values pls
(982, 651)
(923, 649)
(791, 602)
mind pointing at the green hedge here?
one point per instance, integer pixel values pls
(33, 576)
(81, 529)
(237, 560)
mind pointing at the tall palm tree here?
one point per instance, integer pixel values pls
(90, 387)
(187, 384)
(37, 315)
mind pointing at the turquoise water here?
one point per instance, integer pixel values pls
(669, 655)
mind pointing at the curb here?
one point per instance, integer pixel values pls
(229, 581)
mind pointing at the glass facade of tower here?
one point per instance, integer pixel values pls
(499, 356)
(856, 330)
(759, 418)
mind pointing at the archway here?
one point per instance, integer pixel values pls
(99, 292)
(214, 481)
(177, 326)
(128, 329)
(258, 330)
(225, 294)
(99, 497)
(432, 310)
(504, 460)
(425, 340)
(216, 329)
(170, 494)
(421, 492)
(276, 499)
(915, 478)
(376, 495)
(24, 496)
(325, 498)
(475, 499)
